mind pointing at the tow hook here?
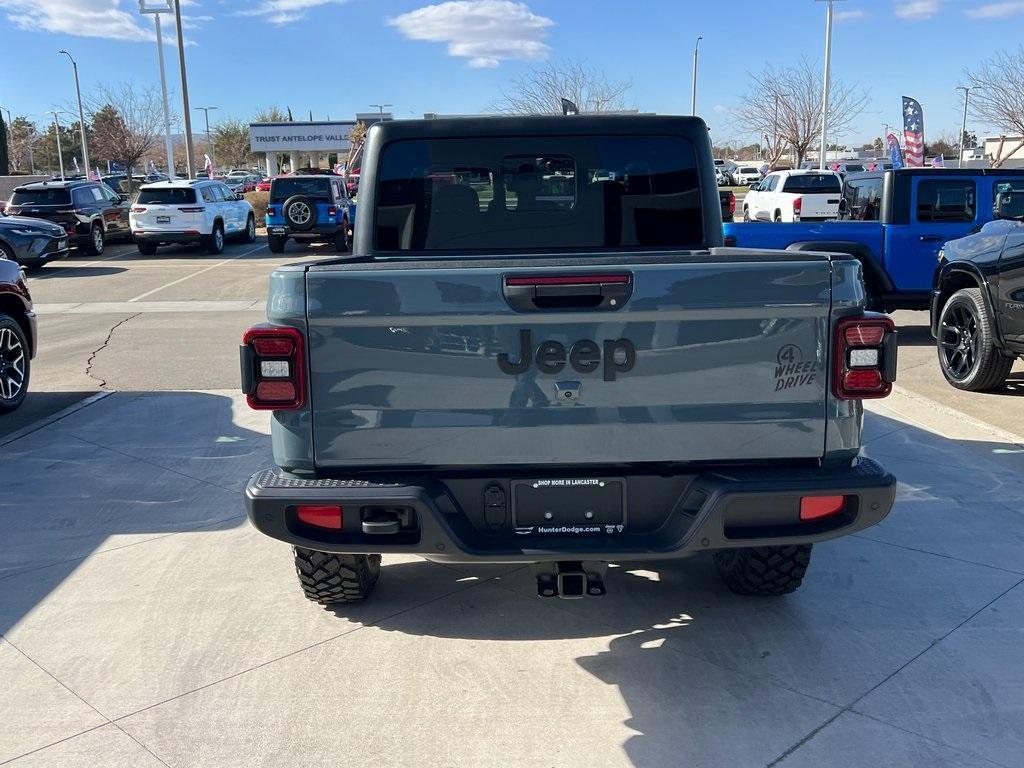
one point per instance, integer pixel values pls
(570, 579)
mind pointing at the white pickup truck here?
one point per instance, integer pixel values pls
(804, 195)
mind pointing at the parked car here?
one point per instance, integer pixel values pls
(241, 184)
(308, 208)
(90, 211)
(32, 242)
(977, 312)
(451, 392)
(726, 168)
(788, 196)
(197, 212)
(728, 200)
(903, 217)
(263, 185)
(17, 335)
(745, 175)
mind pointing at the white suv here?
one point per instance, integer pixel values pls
(198, 211)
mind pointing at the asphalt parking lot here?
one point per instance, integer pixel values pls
(142, 621)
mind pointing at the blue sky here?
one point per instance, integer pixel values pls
(336, 57)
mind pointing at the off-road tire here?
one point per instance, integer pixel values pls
(766, 571)
(147, 249)
(249, 235)
(97, 241)
(212, 243)
(328, 578)
(991, 367)
(287, 213)
(276, 243)
(12, 335)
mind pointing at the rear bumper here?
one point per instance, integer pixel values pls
(714, 510)
(144, 236)
(318, 232)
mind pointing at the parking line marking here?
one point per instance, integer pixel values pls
(194, 274)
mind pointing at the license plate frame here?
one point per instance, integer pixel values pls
(568, 500)
(62, 244)
(277, 230)
(163, 219)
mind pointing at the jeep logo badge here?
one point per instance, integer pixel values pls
(585, 356)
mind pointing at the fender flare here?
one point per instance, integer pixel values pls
(953, 268)
(873, 271)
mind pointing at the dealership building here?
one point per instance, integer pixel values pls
(302, 144)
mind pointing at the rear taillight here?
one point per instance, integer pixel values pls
(865, 357)
(138, 209)
(271, 211)
(732, 203)
(331, 211)
(198, 209)
(273, 368)
(798, 206)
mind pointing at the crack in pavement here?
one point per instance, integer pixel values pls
(92, 358)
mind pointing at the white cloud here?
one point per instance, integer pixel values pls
(996, 10)
(84, 18)
(486, 32)
(917, 10)
(848, 15)
(285, 11)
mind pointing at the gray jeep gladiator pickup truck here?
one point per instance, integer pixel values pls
(538, 352)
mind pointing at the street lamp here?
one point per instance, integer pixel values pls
(963, 128)
(825, 78)
(10, 138)
(209, 144)
(693, 89)
(155, 10)
(81, 114)
(186, 112)
(381, 108)
(60, 153)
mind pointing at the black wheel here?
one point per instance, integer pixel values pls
(97, 240)
(341, 238)
(6, 253)
(968, 356)
(763, 570)
(146, 249)
(276, 243)
(299, 212)
(250, 230)
(327, 578)
(15, 366)
(214, 242)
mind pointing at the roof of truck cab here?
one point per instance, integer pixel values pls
(502, 125)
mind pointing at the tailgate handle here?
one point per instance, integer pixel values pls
(540, 293)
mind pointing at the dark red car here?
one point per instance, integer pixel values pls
(17, 335)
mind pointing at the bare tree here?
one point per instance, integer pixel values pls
(231, 143)
(997, 98)
(783, 107)
(126, 123)
(541, 90)
(356, 139)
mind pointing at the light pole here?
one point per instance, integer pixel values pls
(10, 138)
(81, 114)
(155, 11)
(209, 144)
(963, 128)
(693, 87)
(381, 108)
(186, 112)
(60, 152)
(825, 78)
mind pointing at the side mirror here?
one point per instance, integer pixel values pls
(753, 187)
(1009, 205)
(239, 196)
(844, 208)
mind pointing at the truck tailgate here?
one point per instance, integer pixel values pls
(820, 206)
(712, 357)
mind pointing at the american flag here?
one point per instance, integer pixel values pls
(913, 133)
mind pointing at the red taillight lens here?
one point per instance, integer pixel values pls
(732, 203)
(271, 211)
(798, 204)
(322, 516)
(331, 211)
(138, 210)
(192, 210)
(274, 371)
(864, 358)
(817, 507)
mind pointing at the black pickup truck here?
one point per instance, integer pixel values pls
(978, 302)
(538, 352)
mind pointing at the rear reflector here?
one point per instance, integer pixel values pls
(322, 516)
(817, 507)
(275, 392)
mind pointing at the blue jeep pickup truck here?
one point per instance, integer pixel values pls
(894, 222)
(538, 352)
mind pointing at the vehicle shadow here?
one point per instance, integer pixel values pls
(43, 273)
(128, 468)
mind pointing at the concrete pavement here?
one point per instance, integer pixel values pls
(144, 622)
